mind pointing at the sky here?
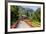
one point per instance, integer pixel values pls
(32, 7)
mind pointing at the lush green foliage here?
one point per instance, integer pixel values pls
(37, 15)
(14, 13)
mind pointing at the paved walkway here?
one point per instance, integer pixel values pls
(23, 24)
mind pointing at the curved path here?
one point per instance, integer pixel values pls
(23, 24)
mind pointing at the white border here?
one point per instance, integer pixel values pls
(24, 29)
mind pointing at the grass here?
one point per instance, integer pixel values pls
(36, 24)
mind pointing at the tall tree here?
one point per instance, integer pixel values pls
(14, 13)
(38, 14)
